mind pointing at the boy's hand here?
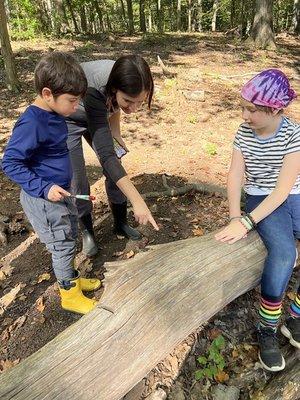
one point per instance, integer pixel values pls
(143, 215)
(57, 193)
(232, 232)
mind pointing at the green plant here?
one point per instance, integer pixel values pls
(210, 148)
(213, 362)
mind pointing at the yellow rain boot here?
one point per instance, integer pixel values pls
(72, 298)
(88, 285)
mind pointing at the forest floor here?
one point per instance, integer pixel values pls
(179, 141)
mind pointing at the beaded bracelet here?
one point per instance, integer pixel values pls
(246, 224)
(251, 220)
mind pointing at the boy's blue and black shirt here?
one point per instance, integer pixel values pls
(36, 156)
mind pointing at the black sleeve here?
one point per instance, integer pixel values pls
(98, 127)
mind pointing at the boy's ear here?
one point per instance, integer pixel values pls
(46, 94)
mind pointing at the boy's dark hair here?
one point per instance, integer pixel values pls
(61, 73)
(130, 74)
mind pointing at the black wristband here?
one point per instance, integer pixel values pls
(253, 223)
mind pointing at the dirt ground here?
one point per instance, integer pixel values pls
(179, 140)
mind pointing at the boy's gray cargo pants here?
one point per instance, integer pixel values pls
(56, 225)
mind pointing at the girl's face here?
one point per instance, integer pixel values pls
(258, 120)
(130, 104)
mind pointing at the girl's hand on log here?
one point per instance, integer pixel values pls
(232, 232)
(143, 215)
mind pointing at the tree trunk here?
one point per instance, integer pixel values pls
(99, 13)
(124, 16)
(142, 16)
(83, 21)
(150, 303)
(7, 54)
(296, 17)
(189, 10)
(130, 17)
(150, 20)
(199, 15)
(70, 6)
(159, 17)
(60, 21)
(178, 15)
(214, 17)
(232, 14)
(262, 29)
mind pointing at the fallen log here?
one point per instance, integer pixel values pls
(151, 303)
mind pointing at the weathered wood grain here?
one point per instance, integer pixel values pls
(150, 304)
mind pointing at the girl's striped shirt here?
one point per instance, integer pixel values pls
(264, 157)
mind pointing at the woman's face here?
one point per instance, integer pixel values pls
(130, 104)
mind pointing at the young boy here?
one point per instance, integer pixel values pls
(37, 159)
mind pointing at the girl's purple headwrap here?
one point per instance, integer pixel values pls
(270, 88)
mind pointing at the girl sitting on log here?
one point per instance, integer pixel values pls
(267, 152)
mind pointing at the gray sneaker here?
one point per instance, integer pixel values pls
(291, 330)
(269, 353)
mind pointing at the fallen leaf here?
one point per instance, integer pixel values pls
(214, 333)
(198, 232)
(234, 354)
(129, 254)
(2, 276)
(22, 297)
(6, 364)
(222, 377)
(290, 294)
(40, 306)
(8, 298)
(44, 277)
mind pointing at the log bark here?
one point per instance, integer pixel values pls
(150, 304)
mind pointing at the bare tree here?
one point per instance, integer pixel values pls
(296, 17)
(160, 17)
(9, 63)
(262, 28)
(189, 11)
(130, 17)
(199, 15)
(178, 15)
(214, 17)
(142, 16)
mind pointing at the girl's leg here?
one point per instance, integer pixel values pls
(291, 328)
(276, 231)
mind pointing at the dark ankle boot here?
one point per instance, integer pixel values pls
(89, 246)
(121, 228)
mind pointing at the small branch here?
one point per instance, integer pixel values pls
(197, 187)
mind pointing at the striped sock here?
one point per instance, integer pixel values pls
(269, 313)
(295, 306)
